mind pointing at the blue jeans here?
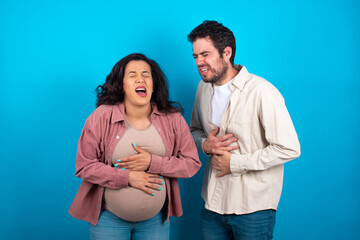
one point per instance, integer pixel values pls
(254, 226)
(111, 227)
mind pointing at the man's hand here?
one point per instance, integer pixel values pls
(138, 162)
(221, 143)
(221, 162)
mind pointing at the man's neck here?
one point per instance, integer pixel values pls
(231, 73)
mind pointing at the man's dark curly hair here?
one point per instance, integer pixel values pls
(112, 91)
(219, 34)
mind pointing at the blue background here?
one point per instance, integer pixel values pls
(54, 53)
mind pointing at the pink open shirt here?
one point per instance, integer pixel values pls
(102, 131)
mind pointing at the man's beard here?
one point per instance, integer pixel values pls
(218, 75)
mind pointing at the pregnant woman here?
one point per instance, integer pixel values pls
(132, 149)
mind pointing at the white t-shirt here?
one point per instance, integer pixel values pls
(219, 102)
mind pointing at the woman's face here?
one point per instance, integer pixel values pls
(138, 83)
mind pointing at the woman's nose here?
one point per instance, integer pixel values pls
(139, 80)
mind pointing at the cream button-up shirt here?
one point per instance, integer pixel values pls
(257, 116)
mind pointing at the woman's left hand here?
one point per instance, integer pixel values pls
(138, 162)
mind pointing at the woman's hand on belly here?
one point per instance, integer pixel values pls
(138, 162)
(145, 181)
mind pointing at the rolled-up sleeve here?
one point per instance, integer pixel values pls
(89, 166)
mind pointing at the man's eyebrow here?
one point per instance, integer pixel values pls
(202, 53)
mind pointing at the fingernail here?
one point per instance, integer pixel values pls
(160, 188)
(123, 169)
(118, 160)
(116, 165)
(134, 144)
(162, 183)
(153, 194)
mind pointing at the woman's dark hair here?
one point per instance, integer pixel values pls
(112, 91)
(219, 34)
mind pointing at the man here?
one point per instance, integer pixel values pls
(240, 120)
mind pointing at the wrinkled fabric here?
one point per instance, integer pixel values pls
(102, 131)
(258, 118)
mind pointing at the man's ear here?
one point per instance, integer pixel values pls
(227, 53)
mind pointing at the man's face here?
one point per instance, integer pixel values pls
(212, 67)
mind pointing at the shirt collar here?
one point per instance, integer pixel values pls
(118, 112)
(241, 78)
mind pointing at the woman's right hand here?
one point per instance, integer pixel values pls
(145, 181)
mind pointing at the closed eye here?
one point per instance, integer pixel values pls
(146, 74)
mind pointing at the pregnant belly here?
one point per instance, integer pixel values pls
(132, 204)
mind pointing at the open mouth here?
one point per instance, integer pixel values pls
(203, 70)
(141, 91)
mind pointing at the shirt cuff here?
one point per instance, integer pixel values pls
(237, 164)
(155, 165)
(121, 178)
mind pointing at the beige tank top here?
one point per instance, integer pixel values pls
(130, 203)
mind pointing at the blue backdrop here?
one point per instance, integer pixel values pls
(54, 53)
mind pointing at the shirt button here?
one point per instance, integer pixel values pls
(117, 137)
(159, 129)
(102, 188)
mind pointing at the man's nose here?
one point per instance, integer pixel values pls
(199, 60)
